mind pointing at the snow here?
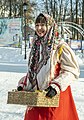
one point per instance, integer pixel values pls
(13, 66)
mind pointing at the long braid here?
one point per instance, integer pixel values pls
(34, 58)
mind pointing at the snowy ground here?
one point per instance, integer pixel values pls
(12, 68)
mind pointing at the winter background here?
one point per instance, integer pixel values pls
(13, 66)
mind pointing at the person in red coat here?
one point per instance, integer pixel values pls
(52, 67)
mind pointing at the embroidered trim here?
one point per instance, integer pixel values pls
(60, 51)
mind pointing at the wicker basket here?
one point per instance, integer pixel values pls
(35, 99)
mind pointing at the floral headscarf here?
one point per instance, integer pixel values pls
(40, 51)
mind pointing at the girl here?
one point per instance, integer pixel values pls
(52, 67)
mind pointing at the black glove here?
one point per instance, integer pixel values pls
(19, 88)
(51, 92)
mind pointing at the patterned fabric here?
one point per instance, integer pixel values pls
(40, 53)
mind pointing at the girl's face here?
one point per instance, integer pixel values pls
(41, 29)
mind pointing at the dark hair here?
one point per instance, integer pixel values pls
(41, 19)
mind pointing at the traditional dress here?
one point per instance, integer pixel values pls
(64, 76)
(59, 70)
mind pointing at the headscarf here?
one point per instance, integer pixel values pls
(40, 51)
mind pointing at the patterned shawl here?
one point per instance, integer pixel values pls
(40, 52)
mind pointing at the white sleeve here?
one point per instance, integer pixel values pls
(69, 70)
(63, 80)
(25, 84)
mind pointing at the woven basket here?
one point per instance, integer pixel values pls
(35, 99)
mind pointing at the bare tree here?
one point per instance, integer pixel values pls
(83, 13)
(14, 8)
(83, 16)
